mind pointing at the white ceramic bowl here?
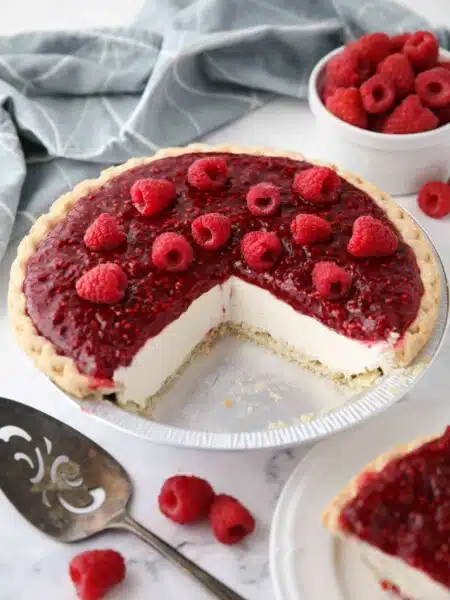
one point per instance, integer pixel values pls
(398, 164)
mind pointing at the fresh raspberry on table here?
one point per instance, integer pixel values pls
(317, 185)
(308, 229)
(263, 199)
(185, 498)
(230, 521)
(433, 87)
(410, 116)
(346, 104)
(208, 173)
(261, 249)
(152, 196)
(397, 69)
(347, 69)
(211, 231)
(103, 284)
(371, 237)
(398, 41)
(104, 233)
(422, 49)
(330, 280)
(434, 199)
(172, 252)
(373, 47)
(95, 572)
(378, 94)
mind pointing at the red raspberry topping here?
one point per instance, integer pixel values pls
(434, 199)
(422, 49)
(373, 47)
(172, 252)
(151, 196)
(211, 231)
(104, 233)
(347, 69)
(95, 572)
(185, 498)
(307, 229)
(230, 520)
(318, 185)
(103, 284)
(433, 87)
(410, 116)
(371, 237)
(263, 199)
(399, 71)
(261, 249)
(444, 64)
(209, 173)
(398, 41)
(378, 94)
(330, 280)
(346, 104)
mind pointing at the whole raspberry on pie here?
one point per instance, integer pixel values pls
(172, 252)
(104, 233)
(230, 521)
(103, 284)
(330, 280)
(308, 229)
(95, 572)
(263, 199)
(208, 174)
(211, 231)
(318, 185)
(151, 196)
(261, 249)
(371, 237)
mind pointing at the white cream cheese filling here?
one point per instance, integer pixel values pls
(413, 583)
(239, 302)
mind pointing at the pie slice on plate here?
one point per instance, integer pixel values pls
(129, 275)
(396, 515)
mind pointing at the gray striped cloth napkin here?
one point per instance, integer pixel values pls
(72, 103)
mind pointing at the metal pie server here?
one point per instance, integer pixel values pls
(70, 488)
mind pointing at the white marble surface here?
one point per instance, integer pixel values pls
(32, 565)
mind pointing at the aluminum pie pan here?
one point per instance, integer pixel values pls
(303, 427)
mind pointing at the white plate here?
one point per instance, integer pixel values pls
(306, 563)
(240, 397)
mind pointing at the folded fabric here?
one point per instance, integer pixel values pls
(72, 103)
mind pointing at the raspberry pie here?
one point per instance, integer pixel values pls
(128, 275)
(396, 514)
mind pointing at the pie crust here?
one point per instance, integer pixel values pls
(63, 371)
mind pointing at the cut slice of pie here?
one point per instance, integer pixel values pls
(396, 515)
(127, 275)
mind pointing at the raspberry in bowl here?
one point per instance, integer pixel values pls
(382, 107)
